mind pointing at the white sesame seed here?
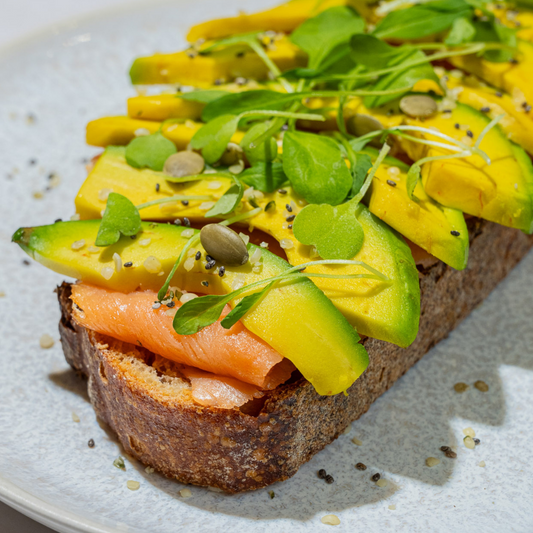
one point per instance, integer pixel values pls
(75, 417)
(238, 282)
(145, 242)
(107, 272)
(432, 461)
(206, 206)
(103, 194)
(133, 485)
(149, 470)
(75, 216)
(469, 432)
(264, 245)
(256, 256)
(118, 262)
(392, 507)
(38, 195)
(152, 265)
(187, 233)
(357, 442)
(185, 493)
(171, 312)
(393, 171)
(78, 245)
(214, 185)
(187, 297)
(93, 249)
(189, 264)
(141, 132)
(245, 238)
(330, 520)
(248, 192)
(382, 483)
(2, 294)
(482, 464)
(286, 244)
(46, 341)
(468, 441)
(257, 268)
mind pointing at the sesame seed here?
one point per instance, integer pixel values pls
(527, 108)
(470, 134)
(205, 283)
(481, 386)
(208, 258)
(469, 432)
(468, 441)
(133, 485)
(289, 226)
(499, 94)
(185, 493)
(445, 448)
(198, 256)
(360, 466)
(58, 220)
(210, 265)
(171, 304)
(455, 233)
(152, 265)
(329, 479)
(221, 271)
(382, 483)
(485, 109)
(145, 242)
(157, 187)
(432, 461)
(356, 441)
(25, 262)
(477, 442)
(128, 264)
(376, 477)
(391, 183)
(156, 305)
(118, 262)
(290, 218)
(78, 245)
(457, 126)
(75, 417)
(107, 272)
(282, 191)
(288, 207)
(186, 222)
(513, 61)
(46, 342)
(177, 222)
(185, 202)
(331, 520)
(272, 494)
(322, 474)
(451, 454)
(32, 162)
(91, 443)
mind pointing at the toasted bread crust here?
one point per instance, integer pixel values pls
(236, 452)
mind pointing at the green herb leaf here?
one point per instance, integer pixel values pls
(237, 103)
(266, 151)
(248, 39)
(372, 52)
(462, 32)
(363, 164)
(213, 138)
(120, 217)
(316, 168)
(271, 206)
(327, 34)
(204, 97)
(228, 201)
(492, 31)
(334, 231)
(199, 313)
(149, 151)
(422, 20)
(264, 177)
(244, 306)
(413, 175)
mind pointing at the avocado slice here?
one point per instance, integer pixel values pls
(295, 318)
(227, 64)
(387, 312)
(500, 192)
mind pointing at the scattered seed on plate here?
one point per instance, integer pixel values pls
(418, 106)
(185, 493)
(356, 441)
(282, 191)
(469, 432)
(329, 479)
(481, 386)
(360, 466)
(460, 387)
(322, 474)
(330, 520)
(482, 464)
(133, 485)
(75, 417)
(477, 442)
(376, 477)
(432, 461)
(26, 262)
(186, 221)
(119, 463)
(91, 443)
(469, 442)
(272, 494)
(46, 341)
(149, 470)
(391, 183)
(382, 483)
(455, 233)
(205, 283)
(445, 448)
(451, 454)
(128, 264)
(392, 507)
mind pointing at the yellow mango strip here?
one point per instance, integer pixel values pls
(283, 18)
(516, 123)
(520, 20)
(119, 131)
(191, 68)
(162, 107)
(513, 78)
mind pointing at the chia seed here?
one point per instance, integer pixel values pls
(391, 183)
(282, 191)
(32, 162)
(185, 202)
(157, 187)
(455, 233)
(288, 208)
(451, 454)
(128, 264)
(239, 54)
(445, 448)
(499, 94)
(210, 265)
(289, 226)
(91, 443)
(58, 220)
(329, 479)
(360, 466)
(470, 134)
(221, 271)
(457, 126)
(477, 442)
(186, 222)
(322, 474)
(177, 222)
(171, 304)
(485, 109)
(290, 218)
(376, 477)
(208, 258)
(205, 283)
(198, 256)
(26, 262)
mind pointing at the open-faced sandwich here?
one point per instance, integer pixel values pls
(316, 196)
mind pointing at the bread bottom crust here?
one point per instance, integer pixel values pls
(146, 402)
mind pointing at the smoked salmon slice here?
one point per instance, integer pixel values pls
(233, 353)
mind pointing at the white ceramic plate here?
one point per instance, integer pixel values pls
(50, 87)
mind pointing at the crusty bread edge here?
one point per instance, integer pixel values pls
(236, 452)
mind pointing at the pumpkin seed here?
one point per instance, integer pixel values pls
(184, 164)
(418, 106)
(360, 124)
(224, 245)
(232, 155)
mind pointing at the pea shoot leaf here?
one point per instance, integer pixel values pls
(228, 201)
(120, 217)
(315, 167)
(334, 231)
(372, 52)
(413, 176)
(266, 151)
(245, 305)
(420, 21)
(237, 103)
(149, 151)
(463, 31)
(491, 31)
(213, 137)
(363, 163)
(326, 36)
(204, 97)
(264, 177)
(249, 39)
(199, 313)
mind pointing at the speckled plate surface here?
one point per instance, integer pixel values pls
(50, 87)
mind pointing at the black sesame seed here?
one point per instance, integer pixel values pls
(208, 258)
(457, 126)
(128, 264)
(219, 81)
(32, 162)
(185, 202)
(58, 220)
(477, 442)
(446, 110)
(177, 222)
(322, 474)
(186, 222)
(499, 94)
(513, 61)
(376, 477)
(221, 271)
(470, 134)
(288, 207)
(455, 233)
(26, 262)
(445, 448)
(91, 443)
(282, 191)
(485, 109)
(239, 54)
(51, 176)
(527, 109)
(171, 304)
(360, 466)
(451, 454)
(198, 256)
(289, 226)
(285, 127)
(290, 218)
(205, 283)
(391, 183)
(210, 265)
(329, 479)
(133, 237)
(157, 187)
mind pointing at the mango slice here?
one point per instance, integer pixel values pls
(295, 318)
(162, 107)
(227, 64)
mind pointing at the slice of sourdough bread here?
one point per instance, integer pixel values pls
(146, 401)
